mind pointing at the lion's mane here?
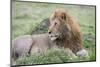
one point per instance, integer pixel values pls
(71, 35)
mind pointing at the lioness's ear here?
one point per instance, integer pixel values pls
(64, 16)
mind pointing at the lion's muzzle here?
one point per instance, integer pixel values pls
(53, 36)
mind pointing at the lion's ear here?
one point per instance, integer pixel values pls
(64, 16)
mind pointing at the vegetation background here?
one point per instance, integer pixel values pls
(27, 18)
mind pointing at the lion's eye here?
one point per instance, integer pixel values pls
(62, 17)
(55, 23)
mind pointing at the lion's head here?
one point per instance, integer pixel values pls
(58, 25)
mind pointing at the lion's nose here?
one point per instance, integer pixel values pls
(49, 32)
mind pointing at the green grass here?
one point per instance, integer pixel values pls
(51, 56)
(27, 16)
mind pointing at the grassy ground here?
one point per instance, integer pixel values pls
(27, 16)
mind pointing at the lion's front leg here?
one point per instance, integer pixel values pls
(70, 53)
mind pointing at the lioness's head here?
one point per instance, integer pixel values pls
(57, 28)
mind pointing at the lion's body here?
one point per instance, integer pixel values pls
(64, 32)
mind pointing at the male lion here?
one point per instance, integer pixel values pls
(63, 32)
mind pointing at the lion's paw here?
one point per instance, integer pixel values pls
(82, 53)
